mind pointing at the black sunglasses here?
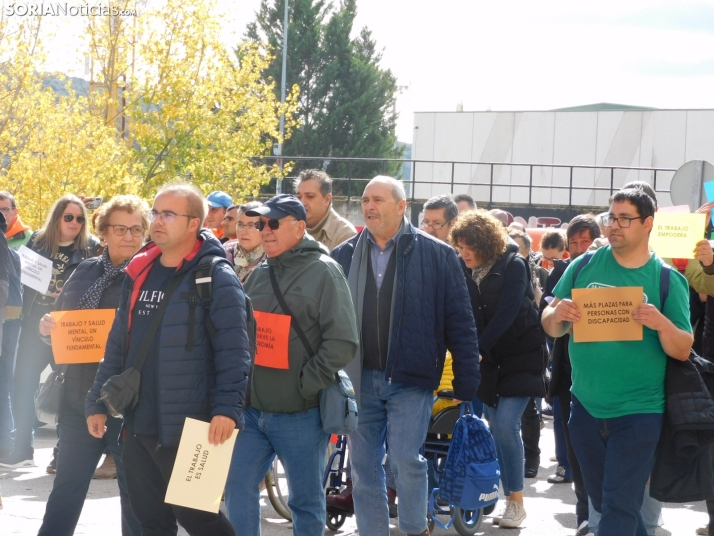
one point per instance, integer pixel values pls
(69, 217)
(272, 224)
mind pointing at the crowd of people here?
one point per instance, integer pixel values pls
(462, 299)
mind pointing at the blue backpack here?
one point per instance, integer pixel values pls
(471, 474)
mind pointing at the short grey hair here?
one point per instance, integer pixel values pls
(451, 211)
(523, 236)
(316, 175)
(197, 206)
(397, 186)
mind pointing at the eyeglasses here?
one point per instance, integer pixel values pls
(6, 210)
(272, 224)
(623, 221)
(252, 226)
(436, 226)
(69, 217)
(166, 216)
(120, 230)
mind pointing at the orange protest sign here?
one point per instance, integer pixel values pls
(81, 336)
(273, 339)
(606, 314)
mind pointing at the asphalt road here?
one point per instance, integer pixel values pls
(550, 507)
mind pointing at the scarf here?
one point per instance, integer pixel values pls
(91, 298)
(477, 274)
(245, 263)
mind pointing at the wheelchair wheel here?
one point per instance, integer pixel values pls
(467, 522)
(335, 521)
(278, 490)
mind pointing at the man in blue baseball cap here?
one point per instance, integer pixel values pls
(218, 203)
(284, 417)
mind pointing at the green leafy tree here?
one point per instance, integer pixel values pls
(346, 101)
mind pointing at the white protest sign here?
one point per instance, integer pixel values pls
(200, 470)
(36, 270)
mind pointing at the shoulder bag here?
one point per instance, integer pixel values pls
(338, 406)
(120, 393)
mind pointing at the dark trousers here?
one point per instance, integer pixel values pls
(617, 456)
(148, 468)
(581, 506)
(33, 356)
(530, 432)
(77, 459)
(10, 336)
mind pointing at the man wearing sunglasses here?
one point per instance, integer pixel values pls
(284, 417)
(190, 371)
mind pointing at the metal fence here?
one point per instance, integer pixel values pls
(410, 167)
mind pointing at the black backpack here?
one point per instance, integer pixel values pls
(203, 283)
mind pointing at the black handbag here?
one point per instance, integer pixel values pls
(47, 399)
(338, 405)
(120, 393)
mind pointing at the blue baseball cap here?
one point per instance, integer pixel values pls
(219, 199)
(280, 206)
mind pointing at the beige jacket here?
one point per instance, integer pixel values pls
(332, 230)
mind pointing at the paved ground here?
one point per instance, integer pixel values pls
(550, 507)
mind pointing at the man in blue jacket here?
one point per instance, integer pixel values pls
(188, 372)
(412, 303)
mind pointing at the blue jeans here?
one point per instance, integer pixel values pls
(650, 510)
(300, 443)
(398, 413)
(77, 459)
(616, 457)
(561, 449)
(505, 423)
(10, 336)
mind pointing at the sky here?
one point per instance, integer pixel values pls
(515, 55)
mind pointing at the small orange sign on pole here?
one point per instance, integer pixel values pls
(273, 340)
(606, 314)
(81, 336)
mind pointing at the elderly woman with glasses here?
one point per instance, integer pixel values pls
(510, 339)
(65, 240)
(122, 225)
(246, 251)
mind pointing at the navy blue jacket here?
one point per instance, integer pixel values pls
(209, 380)
(432, 313)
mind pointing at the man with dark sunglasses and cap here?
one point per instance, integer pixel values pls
(284, 417)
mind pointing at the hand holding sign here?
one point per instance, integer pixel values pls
(703, 252)
(674, 236)
(607, 314)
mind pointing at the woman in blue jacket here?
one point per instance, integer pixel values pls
(510, 340)
(96, 284)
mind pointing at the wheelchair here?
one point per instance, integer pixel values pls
(435, 449)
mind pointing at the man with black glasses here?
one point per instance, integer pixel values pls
(618, 386)
(188, 372)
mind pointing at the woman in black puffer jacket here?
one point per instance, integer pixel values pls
(95, 284)
(510, 340)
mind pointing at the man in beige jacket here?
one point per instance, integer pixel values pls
(314, 190)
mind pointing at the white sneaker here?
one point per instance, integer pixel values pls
(513, 516)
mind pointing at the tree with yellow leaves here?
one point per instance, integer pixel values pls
(186, 105)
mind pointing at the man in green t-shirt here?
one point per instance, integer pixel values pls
(618, 387)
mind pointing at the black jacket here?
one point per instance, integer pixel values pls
(561, 370)
(511, 339)
(79, 378)
(683, 465)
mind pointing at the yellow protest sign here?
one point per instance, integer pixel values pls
(81, 335)
(200, 470)
(674, 235)
(606, 314)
